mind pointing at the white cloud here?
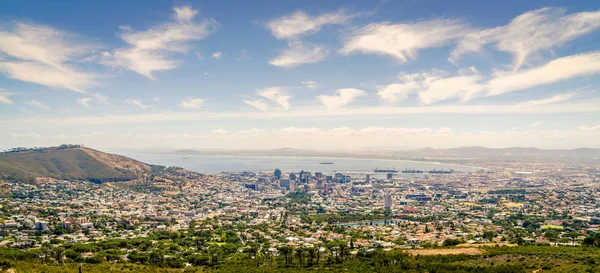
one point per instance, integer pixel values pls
(156, 99)
(436, 85)
(341, 98)
(278, 95)
(529, 33)
(557, 70)
(554, 99)
(310, 84)
(432, 87)
(217, 55)
(152, 50)
(298, 53)
(402, 41)
(191, 103)
(536, 124)
(38, 104)
(464, 87)
(300, 23)
(136, 102)
(589, 128)
(84, 101)
(95, 97)
(4, 97)
(200, 57)
(258, 104)
(43, 55)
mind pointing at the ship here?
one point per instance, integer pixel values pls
(377, 170)
(327, 163)
(412, 171)
(434, 171)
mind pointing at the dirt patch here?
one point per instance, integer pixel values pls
(486, 244)
(446, 251)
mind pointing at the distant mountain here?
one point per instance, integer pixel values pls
(503, 153)
(453, 154)
(69, 163)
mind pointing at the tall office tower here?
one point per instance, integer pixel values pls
(388, 200)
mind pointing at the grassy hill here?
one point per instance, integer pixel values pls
(69, 163)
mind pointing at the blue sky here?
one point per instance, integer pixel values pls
(306, 74)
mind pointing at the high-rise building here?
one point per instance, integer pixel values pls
(368, 178)
(277, 174)
(285, 183)
(387, 200)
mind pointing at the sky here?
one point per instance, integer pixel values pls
(327, 75)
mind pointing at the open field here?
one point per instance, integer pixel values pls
(446, 251)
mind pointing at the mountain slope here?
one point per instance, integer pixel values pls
(76, 163)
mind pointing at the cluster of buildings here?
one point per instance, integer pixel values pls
(367, 209)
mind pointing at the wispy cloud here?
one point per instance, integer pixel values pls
(259, 104)
(37, 104)
(530, 33)
(217, 55)
(84, 101)
(300, 23)
(341, 98)
(554, 99)
(152, 50)
(96, 98)
(191, 103)
(278, 95)
(557, 70)
(310, 84)
(436, 85)
(4, 97)
(138, 103)
(298, 53)
(45, 56)
(403, 41)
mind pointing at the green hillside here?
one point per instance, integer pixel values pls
(71, 163)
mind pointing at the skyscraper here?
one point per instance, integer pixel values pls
(388, 200)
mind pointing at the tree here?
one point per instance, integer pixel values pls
(573, 235)
(490, 235)
(59, 253)
(551, 235)
(286, 251)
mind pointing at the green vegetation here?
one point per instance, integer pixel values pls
(338, 259)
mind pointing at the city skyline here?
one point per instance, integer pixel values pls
(311, 75)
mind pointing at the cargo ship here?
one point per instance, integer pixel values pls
(377, 170)
(434, 171)
(327, 163)
(412, 171)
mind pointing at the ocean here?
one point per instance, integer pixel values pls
(236, 163)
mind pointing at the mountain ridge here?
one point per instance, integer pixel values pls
(73, 163)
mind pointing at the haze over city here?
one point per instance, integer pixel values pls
(337, 75)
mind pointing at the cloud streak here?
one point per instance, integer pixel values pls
(402, 41)
(44, 55)
(152, 50)
(298, 53)
(530, 33)
(341, 98)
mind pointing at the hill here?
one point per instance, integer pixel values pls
(69, 162)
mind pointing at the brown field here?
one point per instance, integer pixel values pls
(487, 244)
(446, 251)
